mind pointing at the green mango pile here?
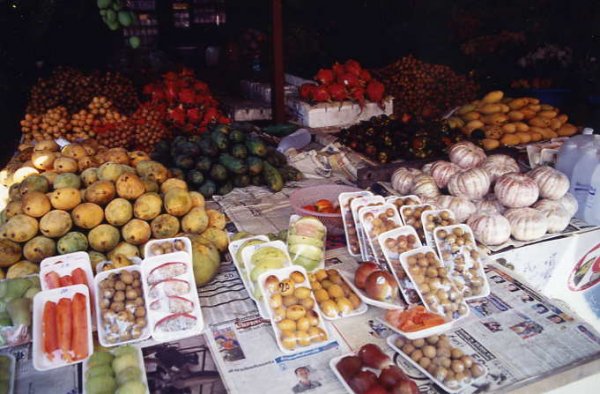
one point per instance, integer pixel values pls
(115, 17)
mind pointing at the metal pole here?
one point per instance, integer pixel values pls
(277, 92)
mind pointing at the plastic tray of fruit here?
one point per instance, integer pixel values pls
(433, 283)
(8, 369)
(122, 318)
(401, 201)
(119, 369)
(62, 327)
(345, 199)
(293, 310)
(306, 242)
(71, 257)
(335, 297)
(381, 290)
(393, 243)
(411, 216)
(458, 250)
(156, 247)
(375, 221)
(73, 269)
(434, 218)
(371, 370)
(355, 206)
(260, 258)
(173, 305)
(235, 250)
(415, 322)
(439, 361)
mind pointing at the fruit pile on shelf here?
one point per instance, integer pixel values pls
(496, 120)
(386, 139)
(423, 90)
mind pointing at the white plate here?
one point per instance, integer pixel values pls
(281, 274)
(156, 316)
(485, 290)
(405, 285)
(101, 334)
(40, 361)
(368, 300)
(391, 343)
(140, 365)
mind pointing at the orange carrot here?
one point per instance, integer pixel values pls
(50, 339)
(79, 277)
(80, 327)
(64, 318)
(66, 280)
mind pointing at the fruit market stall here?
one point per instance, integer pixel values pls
(139, 232)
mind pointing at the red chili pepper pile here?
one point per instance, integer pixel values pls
(348, 81)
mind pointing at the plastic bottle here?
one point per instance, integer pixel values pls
(586, 137)
(297, 140)
(591, 213)
(582, 176)
(567, 157)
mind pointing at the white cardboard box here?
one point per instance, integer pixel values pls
(336, 114)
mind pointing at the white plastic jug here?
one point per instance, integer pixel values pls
(586, 137)
(582, 176)
(568, 155)
(297, 140)
(591, 213)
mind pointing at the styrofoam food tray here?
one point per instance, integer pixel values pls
(71, 257)
(485, 291)
(358, 311)
(247, 257)
(406, 285)
(99, 326)
(429, 234)
(367, 226)
(355, 206)
(141, 365)
(425, 249)
(155, 316)
(281, 274)
(347, 218)
(391, 341)
(293, 220)
(442, 328)
(404, 216)
(40, 361)
(185, 240)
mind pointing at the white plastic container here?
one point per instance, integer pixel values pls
(433, 304)
(409, 220)
(40, 360)
(297, 140)
(355, 206)
(71, 257)
(307, 242)
(464, 253)
(65, 267)
(395, 304)
(141, 366)
(283, 277)
(582, 177)
(247, 257)
(161, 315)
(146, 332)
(187, 245)
(239, 265)
(400, 201)
(345, 199)
(568, 155)
(392, 258)
(591, 213)
(375, 221)
(391, 341)
(429, 231)
(362, 308)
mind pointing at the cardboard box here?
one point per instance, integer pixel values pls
(336, 114)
